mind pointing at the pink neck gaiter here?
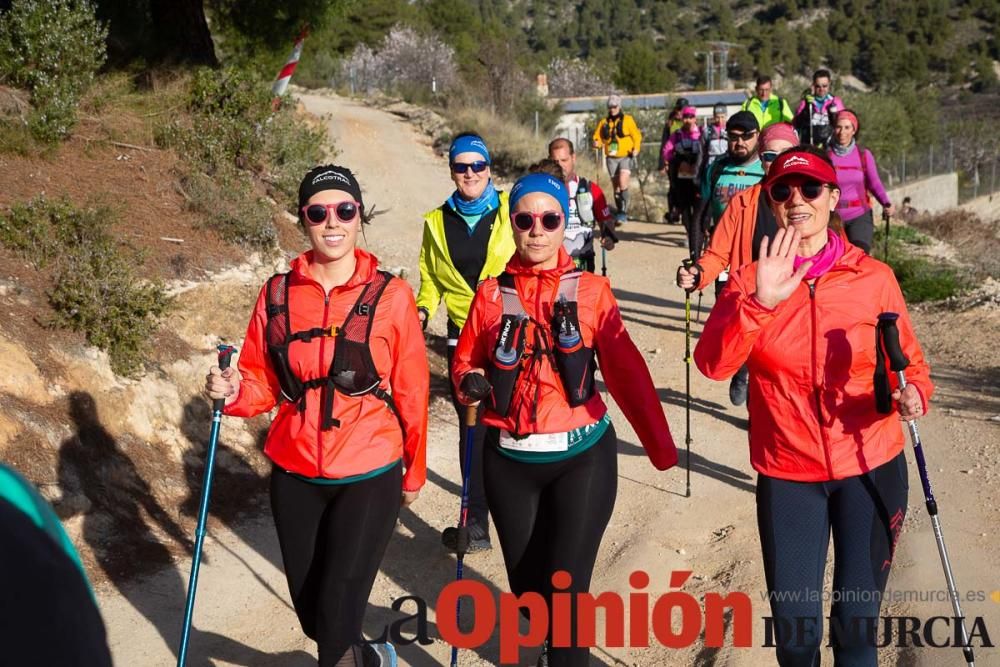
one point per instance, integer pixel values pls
(824, 260)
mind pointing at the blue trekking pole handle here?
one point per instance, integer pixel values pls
(225, 357)
(888, 342)
(471, 412)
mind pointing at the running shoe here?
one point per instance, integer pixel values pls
(378, 655)
(478, 536)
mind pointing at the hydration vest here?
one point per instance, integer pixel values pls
(584, 200)
(352, 371)
(561, 342)
(613, 128)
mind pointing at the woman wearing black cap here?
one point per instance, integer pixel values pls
(337, 346)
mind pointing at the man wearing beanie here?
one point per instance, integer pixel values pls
(620, 138)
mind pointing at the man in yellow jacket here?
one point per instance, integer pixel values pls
(766, 107)
(621, 140)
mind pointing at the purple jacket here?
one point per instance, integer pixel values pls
(856, 181)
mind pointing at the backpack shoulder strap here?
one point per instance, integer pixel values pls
(358, 325)
(276, 301)
(569, 284)
(278, 334)
(508, 292)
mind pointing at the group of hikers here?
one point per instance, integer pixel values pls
(337, 345)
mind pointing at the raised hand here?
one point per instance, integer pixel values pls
(776, 274)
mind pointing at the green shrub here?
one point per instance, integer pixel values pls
(99, 289)
(230, 207)
(228, 110)
(291, 149)
(53, 48)
(233, 134)
(919, 278)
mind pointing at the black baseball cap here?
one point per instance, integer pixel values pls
(743, 121)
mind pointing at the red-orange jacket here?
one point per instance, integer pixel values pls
(811, 361)
(369, 434)
(622, 366)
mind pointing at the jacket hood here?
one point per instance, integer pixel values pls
(364, 271)
(516, 267)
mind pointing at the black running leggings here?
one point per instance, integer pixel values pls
(865, 514)
(552, 516)
(332, 541)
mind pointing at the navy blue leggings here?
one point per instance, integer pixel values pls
(865, 514)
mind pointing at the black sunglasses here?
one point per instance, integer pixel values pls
(477, 167)
(525, 220)
(768, 156)
(317, 214)
(745, 136)
(782, 192)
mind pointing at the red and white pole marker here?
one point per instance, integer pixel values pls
(285, 75)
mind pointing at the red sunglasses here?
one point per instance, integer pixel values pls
(525, 220)
(317, 214)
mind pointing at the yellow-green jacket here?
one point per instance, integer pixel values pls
(439, 279)
(776, 111)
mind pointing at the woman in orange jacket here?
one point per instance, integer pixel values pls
(737, 237)
(528, 348)
(336, 344)
(803, 317)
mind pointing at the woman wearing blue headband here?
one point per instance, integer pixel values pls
(466, 240)
(550, 459)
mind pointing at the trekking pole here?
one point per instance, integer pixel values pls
(462, 537)
(887, 345)
(604, 261)
(225, 356)
(687, 379)
(885, 254)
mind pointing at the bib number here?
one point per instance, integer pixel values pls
(613, 148)
(535, 442)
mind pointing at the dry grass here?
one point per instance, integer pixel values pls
(977, 241)
(513, 146)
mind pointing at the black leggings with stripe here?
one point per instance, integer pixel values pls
(865, 515)
(332, 541)
(552, 516)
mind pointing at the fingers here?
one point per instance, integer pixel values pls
(221, 383)
(896, 395)
(765, 244)
(800, 273)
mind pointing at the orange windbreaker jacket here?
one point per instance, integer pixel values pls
(732, 240)
(811, 360)
(369, 434)
(622, 367)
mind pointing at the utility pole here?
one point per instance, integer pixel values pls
(723, 49)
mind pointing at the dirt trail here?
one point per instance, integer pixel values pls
(243, 614)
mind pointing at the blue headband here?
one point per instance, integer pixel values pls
(541, 183)
(469, 143)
